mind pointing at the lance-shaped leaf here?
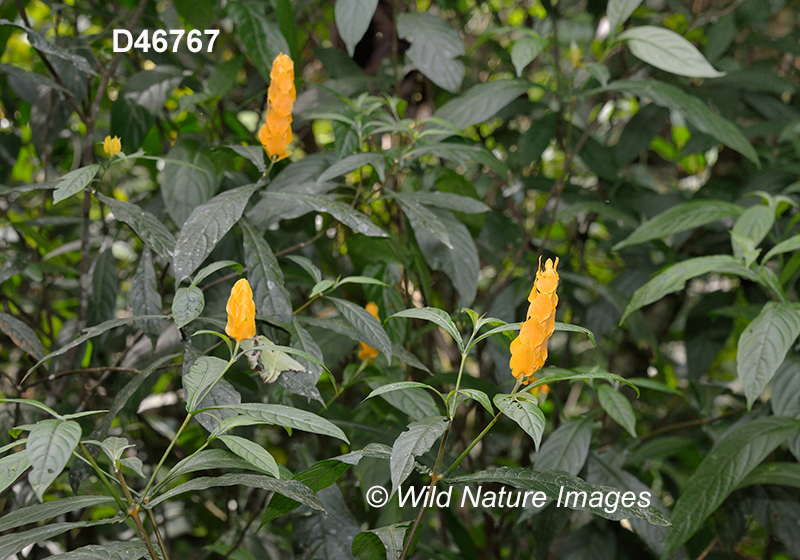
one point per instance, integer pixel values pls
(129, 550)
(15, 542)
(353, 219)
(289, 488)
(262, 39)
(370, 328)
(567, 447)
(253, 453)
(187, 305)
(265, 275)
(764, 344)
(203, 373)
(144, 297)
(289, 417)
(435, 47)
(725, 466)
(49, 510)
(665, 49)
(150, 229)
(416, 440)
(206, 226)
(11, 467)
(436, 316)
(74, 182)
(682, 217)
(49, 447)
(21, 335)
(352, 20)
(355, 161)
(618, 407)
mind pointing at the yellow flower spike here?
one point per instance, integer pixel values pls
(276, 133)
(529, 349)
(367, 352)
(112, 146)
(241, 312)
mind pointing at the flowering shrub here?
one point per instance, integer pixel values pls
(273, 299)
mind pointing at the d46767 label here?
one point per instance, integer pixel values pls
(161, 40)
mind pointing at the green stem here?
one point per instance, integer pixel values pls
(164, 457)
(133, 511)
(161, 544)
(103, 478)
(452, 410)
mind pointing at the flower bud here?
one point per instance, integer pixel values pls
(241, 312)
(367, 352)
(112, 146)
(276, 133)
(529, 349)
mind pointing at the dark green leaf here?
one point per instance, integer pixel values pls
(436, 316)
(618, 407)
(206, 226)
(265, 276)
(567, 447)
(149, 228)
(74, 182)
(352, 20)
(262, 39)
(523, 409)
(188, 180)
(49, 447)
(49, 510)
(435, 47)
(15, 542)
(21, 335)
(253, 453)
(368, 326)
(187, 305)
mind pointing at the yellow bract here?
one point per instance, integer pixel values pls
(241, 312)
(529, 349)
(367, 352)
(276, 133)
(112, 146)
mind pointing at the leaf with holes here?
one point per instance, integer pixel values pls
(523, 409)
(49, 447)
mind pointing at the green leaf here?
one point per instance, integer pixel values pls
(674, 278)
(129, 550)
(415, 402)
(682, 217)
(559, 374)
(187, 305)
(11, 468)
(74, 182)
(565, 327)
(665, 49)
(22, 335)
(355, 161)
(49, 447)
(525, 51)
(361, 280)
(252, 453)
(567, 447)
(749, 230)
(436, 316)
(114, 447)
(480, 102)
(265, 275)
(262, 39)
(654, 385)
(89, 333)
(523, 409)
(207, 459)
(307, 265)
(352, 20)
(150, 229)
(207, 271)
(474, 394)
(49, 510)
(206, 226)
(189, 179)
(105, 285)
(786, 246)
(383, 543)
(784, 474)
(221, 394)
(317, 477)
(415, 441)
(618, 407)
(289, 417)
(618, 12)
(459, 259)
(552, 483)
(696, 112)
(15, 542)
(253, 154)
(785, 389)
(203, 373)
(289, 488)
(39, 43)
(422, 218)
(369, 327)
(353, 219)
(763, 345)
(144, 298)
(722, 470)
(435, 47)
(399, 386)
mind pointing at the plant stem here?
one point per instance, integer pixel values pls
(452, 412)
(161, 544)
(164, 457)
(133, 511)
(102, 476)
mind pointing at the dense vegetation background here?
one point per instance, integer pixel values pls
(440, 148)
